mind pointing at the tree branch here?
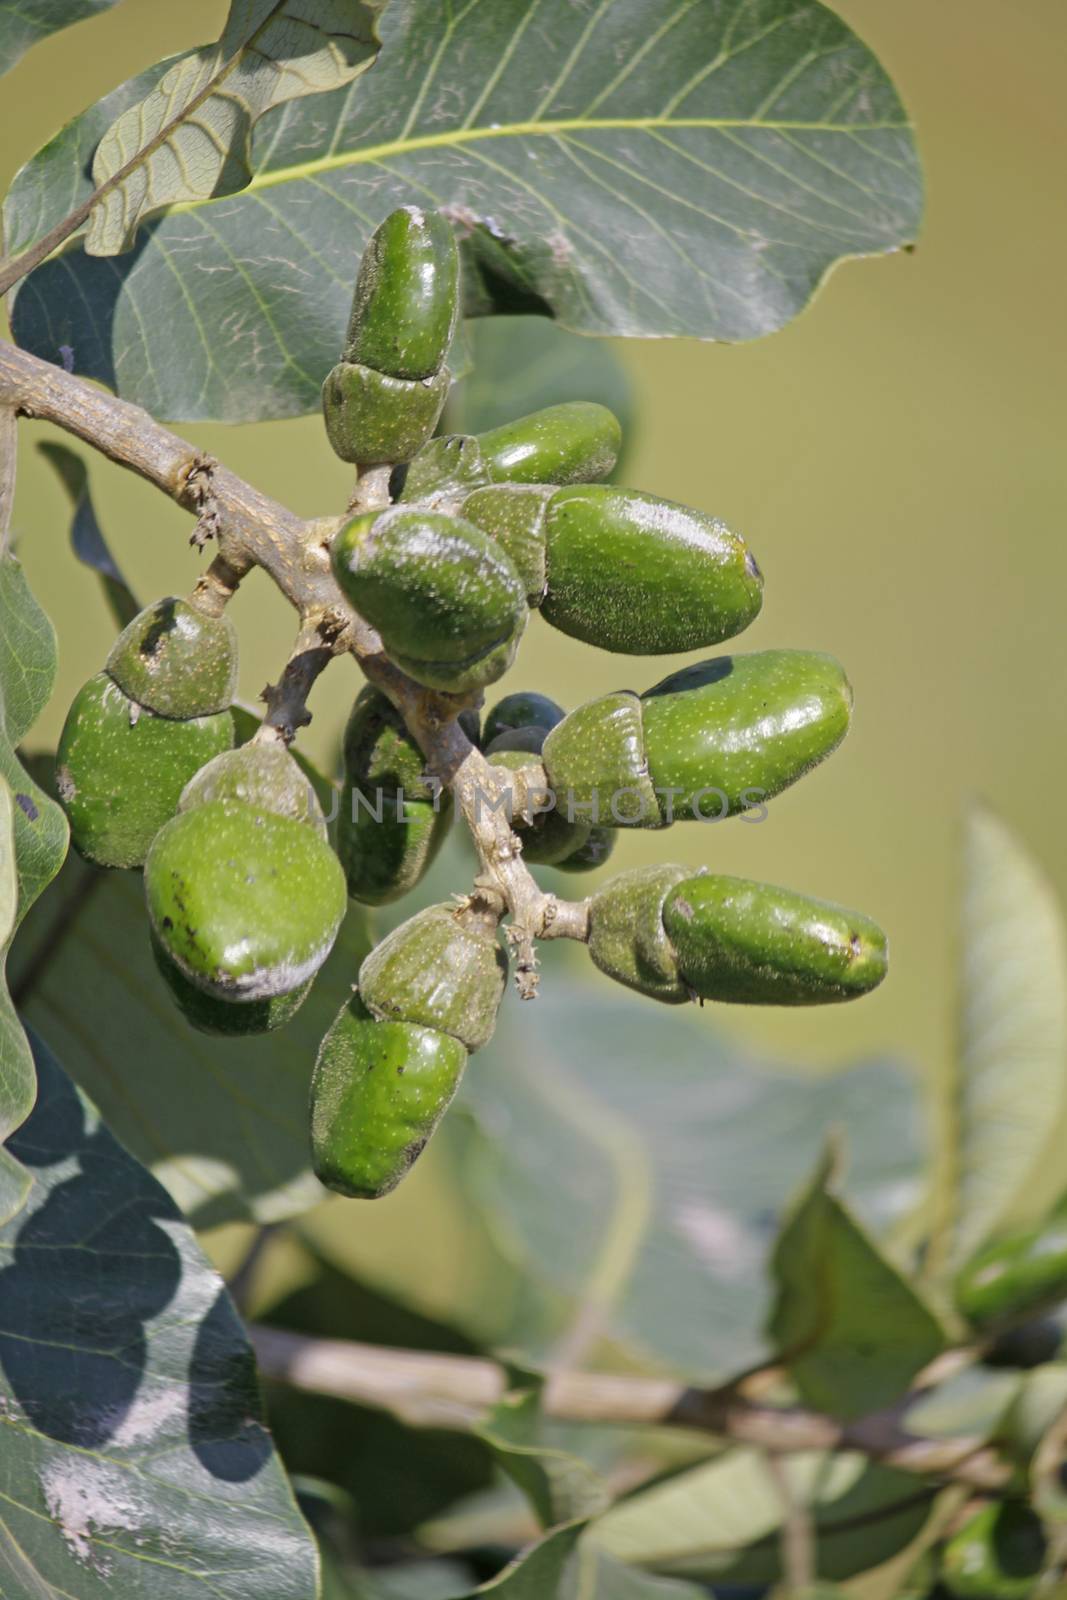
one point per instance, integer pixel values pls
(427, 1390)
(250, 530)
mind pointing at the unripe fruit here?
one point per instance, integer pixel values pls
(593, 853)
(524, 709)
(120, 770)
(176, 661)
(265, 776)
(226, 1018)
(754, 944)
(731, 732)
(1013, 1277)
(627, 939)
(406, 301)
(372, 418)
(998, 1554)
(443, 969)
(378, 1092)
(245, 903)
(446, 600)
(595, 760)
(548, 839)
(514, 515)
(575, 442)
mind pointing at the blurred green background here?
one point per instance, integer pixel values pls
(894, 458)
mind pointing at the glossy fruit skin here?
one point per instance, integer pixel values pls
(176, 661)
(574, 442)
(524, 709)
(642, 576)
(997, 1555)
(446, 600)
(1023, 1273)
(265, 776)
(407, 296)
(378, 1092)
(627, 939)
(753, 944)
(595, 761)
(734, 731)
(372, 418)
(440, 971)
(514, 515)
(550, 838)
(247, 904)
(226, 1018)
(120, 770)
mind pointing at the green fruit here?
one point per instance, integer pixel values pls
(372, 419)
(406, 301)
(524, 709)
(265, 776)
(627, 939)
(514, 515)
(386, 844)
(380, 753)
(631, 573)
(595, 761)
(176, 661)
(549, 838)
(1016, 1276)
(753, 944)
(729, 733)
(120, 770)
(592, 854)
(575, 442)
(226, 1018)
(999, 1554)
(442, 969)
(247, 904)
(378, 1092)
(447, 602)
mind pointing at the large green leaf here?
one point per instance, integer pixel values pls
(851, 1330)
(632, 1162)
(1006, 1113)
(134, 1461)
(221, 1122)
(190, 138)
(24, 22)
(692, 169)
(33, 839)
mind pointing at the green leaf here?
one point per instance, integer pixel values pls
(221, 1122)
(850, 1329)
(596, 1576)
(559, 1485)
(1006, 1117)
(86, 537)
(537, 1574)
(190, 138)
(33, 838)
(135, 1461)
(630, 1160)
(721, 1522)
(24, 23)
(695, 169)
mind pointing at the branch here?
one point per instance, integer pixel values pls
(427, 1390)
(250, 530)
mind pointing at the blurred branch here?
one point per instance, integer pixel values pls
(429, 1390)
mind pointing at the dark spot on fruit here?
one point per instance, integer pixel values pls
(400, 1070)
(26, 805)
(684, 909)
(167, 923)
(66, 785)
(855, 945)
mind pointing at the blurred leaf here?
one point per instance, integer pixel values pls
(721, 1522)
(973, 1403)
(633, 1164)
(88, 541)
(850, 1329)
(596, 1576)
(221, 1122)
(1041, 1397)
(559, 1485)
(24, 22)
(135, 1462)
(704, 187)
(537, 1574)
(33, 840)
(520, 364)
(1007, 1112)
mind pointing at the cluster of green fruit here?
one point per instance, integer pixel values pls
(245, 894)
